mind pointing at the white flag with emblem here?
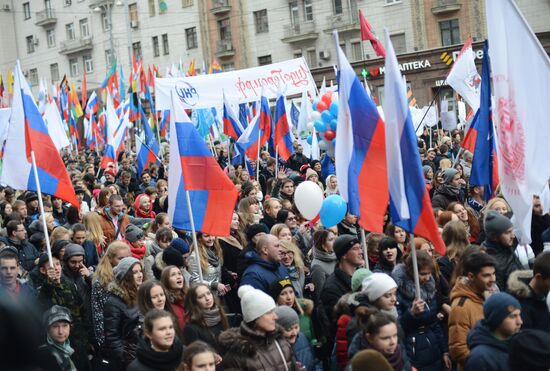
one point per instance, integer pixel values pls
(464, 78)
(521, 79)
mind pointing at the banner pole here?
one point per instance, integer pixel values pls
(415, 267)
(277, 162)
(364, 245)
(41, 205)
(194, 235)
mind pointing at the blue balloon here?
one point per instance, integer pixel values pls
(320, 126)
(309, 139)
(314, 105)
(334, 109)
(326, 117)
(333, 210)
(333, 124)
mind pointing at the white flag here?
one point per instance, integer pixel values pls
(464, 78)
(521, 79)
(56, 128)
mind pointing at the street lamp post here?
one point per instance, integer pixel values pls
(108, 9)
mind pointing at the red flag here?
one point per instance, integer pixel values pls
(366, 34)
(84, 93)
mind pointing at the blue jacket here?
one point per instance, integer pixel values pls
(261, 274)
(487, 353)
(424, 341)
(303, 352)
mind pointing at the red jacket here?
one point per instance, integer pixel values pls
(342, 341)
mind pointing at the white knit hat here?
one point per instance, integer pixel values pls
(376, 285)
(254, 303)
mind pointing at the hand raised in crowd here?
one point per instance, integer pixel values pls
(53, 274)
(282, 173)
(84, 272)
(223, 289)
(418, 306)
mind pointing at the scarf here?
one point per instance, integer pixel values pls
(211, 317)
(293, 273)
(324, 256)
(138, 252)
(64, 348)
(213, 259)
(395, 359)
(162, 361)
(231, 240)
(449, 190)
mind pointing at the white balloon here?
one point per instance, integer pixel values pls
(310, 125)
(323, 145)
(130, 125)
(315, 115)
(309, 199)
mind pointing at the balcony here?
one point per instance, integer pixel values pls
(300, 32)
(45, 17)
(225, 49)
(446, 6)
(75, 46)
(220, 7)
(343, 23)
(92, 4)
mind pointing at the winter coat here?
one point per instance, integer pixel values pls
(506, 261)
(424, 339)
(26, 251)
(303, 352)
(148, 359)
(336, 285)
(534, 311)
(466, 311)
(108, 227)
(268, 221)
(98, 300)
(322, 266)
(306, 324)
(443, 196)
(251, 350)
(487, 353)
(121, 328)
(231, 249)
(193, 332)
(92, 257)
(446, 267)
(53, 359)
(341, 341)
(358, 344)
(212, 276)
(261, 274)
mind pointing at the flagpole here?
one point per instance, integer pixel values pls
(195, 244)
(415, 267)
(158, 131)
(41, 206)
(430, 106)
(277, 162)
(146, 146)
(258, 159)
(364, 245)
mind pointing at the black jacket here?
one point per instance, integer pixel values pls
(443, 197)
(487, 353)
(26, 250)
(506, 260)
(121, 329)
(193, 332)
(148, 359)
(534, 311)
(336, 285)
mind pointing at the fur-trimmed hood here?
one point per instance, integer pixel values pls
(406, 287)
(114, 288)
(518, 284)
(307, 305)
(246, 341)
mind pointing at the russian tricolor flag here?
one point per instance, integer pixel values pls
(231, 125)
(27, 132)
(410, 204)
(480, 139)
(282, 136)
(360, 150)
(265, 120)
(116, 131)
(147, 152)
(192, 168)
(250, 142)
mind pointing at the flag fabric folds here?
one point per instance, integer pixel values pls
(148, 151)
(463, 76)
(521, 83)
(282, 137)
(410, 204)
(367, 34)
(250, 139)
(480, 139)
(360, 150)
(265, 120)
(28, 132)
(231, 124)
(192, 168)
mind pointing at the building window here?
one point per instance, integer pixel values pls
(297, 54)
(108, 58)
(88, 63)
(73, 64)
(264, 60)
(133, 11)
(33, 76)
(356, 52)
(136, 48)
(165, 46)
(389, 2)
(156, 49)
(50, 37)
(228, 66)
(151, 8)
(337, 6)
(105, 21)
(398, 42)
(260, 20)
(225, 29)
(450, 32)
(343, 46)
(30, 44)
(27, 11)
(191, 37)
(308, 10)
(312, 58)
(84, 28)
(69, 29)
(54, 71)
(294, 13)
(186, 3)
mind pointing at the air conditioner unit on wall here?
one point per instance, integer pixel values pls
(134, 24)
(324, 54)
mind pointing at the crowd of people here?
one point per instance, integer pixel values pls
(122, 289)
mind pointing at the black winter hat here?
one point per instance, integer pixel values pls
(496, 224)
(530, 350)
(343, 243)
(254, 229)
(172, 257)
